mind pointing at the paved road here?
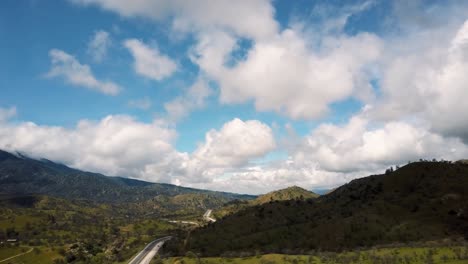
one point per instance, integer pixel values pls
(207, 217)
(147, 254)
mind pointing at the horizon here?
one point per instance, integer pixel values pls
(302, 93)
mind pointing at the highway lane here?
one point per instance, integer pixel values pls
(147, 254)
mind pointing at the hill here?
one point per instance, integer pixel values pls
(290, 193)
(23, 175)
(419, 202)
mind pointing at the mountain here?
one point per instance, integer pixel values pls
(23, 175)
(422, 201)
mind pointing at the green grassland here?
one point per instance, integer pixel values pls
(404, 255)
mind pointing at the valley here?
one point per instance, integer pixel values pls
(415, 214)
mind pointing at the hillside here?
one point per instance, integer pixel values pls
(420, 202)
(22, 175)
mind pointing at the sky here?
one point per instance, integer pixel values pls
(243, 96)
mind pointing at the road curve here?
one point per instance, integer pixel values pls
(147, 254)
(207, 217)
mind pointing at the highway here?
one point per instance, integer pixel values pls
(147, 254)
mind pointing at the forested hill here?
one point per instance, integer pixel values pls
(418, 202)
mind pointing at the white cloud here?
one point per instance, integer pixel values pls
(332, 155)
(115, 145)
(428, 79)
(361, 146)
(285, 75)
(229, 149)
(98, 45)
(120, 145)
(143, 103)
(237, 16)
(149, 62)
(72, 71)
(193, 98)
(235, 143)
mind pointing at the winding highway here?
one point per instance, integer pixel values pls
(147, 254)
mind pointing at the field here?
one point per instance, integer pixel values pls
(404, 255)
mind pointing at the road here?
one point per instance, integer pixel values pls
(183, 222)
(207, 217)
(147, 254)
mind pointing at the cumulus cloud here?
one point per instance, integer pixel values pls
(194, 98)
(200, 15)
(98, 45)
(297, 70)
(360, 146)
(285, 75)
(121, 145)
(73, 72)
(332, 155)
(149, 62)
(428, 79)
(235, 143)
(143, 103)
(228, 149)
(115, 145)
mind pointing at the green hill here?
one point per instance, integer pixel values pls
(420, 202)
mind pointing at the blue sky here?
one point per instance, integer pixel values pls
(320, 92)
(29, 29)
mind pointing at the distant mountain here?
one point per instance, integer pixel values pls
(422, 201)
(23, 175)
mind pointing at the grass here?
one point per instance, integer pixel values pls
(6, 252)
(44, 256)
(40, 255)
(408, 255)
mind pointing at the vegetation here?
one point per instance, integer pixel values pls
(422, 201)
(402, 255)
(56, 213)
(74, 231)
